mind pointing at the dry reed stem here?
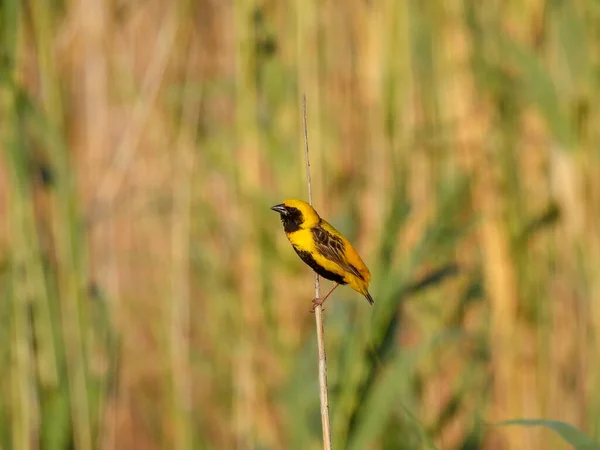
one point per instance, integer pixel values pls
(110, 184)
(318, 314)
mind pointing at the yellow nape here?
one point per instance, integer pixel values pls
(310, 216)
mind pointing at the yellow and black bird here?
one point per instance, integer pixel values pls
(323, 248)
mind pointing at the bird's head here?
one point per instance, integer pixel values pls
(296, 214)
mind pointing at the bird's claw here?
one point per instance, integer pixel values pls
(317, 302)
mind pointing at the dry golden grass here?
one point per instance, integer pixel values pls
(150, 300)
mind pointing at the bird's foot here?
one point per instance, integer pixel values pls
(317, 302)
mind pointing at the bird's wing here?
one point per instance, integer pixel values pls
(333, 247)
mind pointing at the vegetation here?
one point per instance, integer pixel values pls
(148, 297)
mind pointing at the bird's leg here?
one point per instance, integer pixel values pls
(319, 301)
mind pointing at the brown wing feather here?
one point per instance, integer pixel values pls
(332, 247)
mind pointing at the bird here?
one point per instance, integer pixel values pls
(323, 248)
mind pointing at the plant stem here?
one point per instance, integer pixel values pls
(318, 314)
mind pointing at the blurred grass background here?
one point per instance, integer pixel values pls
(149, 297)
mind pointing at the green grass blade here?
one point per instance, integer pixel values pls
(569, 433)
(392, 387)
(538, 87)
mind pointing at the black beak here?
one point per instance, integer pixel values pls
(281, 209)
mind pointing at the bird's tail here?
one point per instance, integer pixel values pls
(369, 298)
